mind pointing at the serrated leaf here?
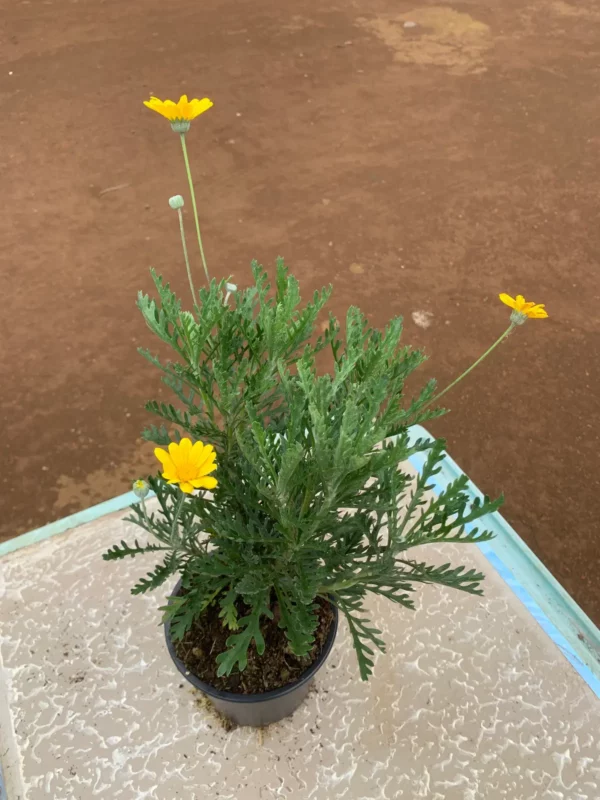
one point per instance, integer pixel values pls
(158, 575)
(238, 644)
(116, 552)
(361, 632)
(299, 622)
(228, 612)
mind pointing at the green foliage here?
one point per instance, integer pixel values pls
(238, 644)
(312, 499)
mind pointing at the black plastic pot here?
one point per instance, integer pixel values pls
(257, 709)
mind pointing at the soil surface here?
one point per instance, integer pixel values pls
(277, 666)
(421, 168)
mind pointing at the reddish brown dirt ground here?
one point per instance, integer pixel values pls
(419, 169)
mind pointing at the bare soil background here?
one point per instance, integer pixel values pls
(420, 169)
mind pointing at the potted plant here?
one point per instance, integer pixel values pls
(282, 500)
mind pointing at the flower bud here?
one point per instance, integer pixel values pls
(176, 201)
(140, 488)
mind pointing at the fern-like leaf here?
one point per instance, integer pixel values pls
(363, 634)
(238, 644)
(158, 575)
(116, 552)
(467, 580)
(299, 622)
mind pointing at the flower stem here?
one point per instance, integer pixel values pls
(178, 508)
(193, 195)
(500, 339)
(185, 256)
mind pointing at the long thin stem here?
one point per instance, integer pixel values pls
(345, 584)
(175, 520)
(185, 256)
(472, 367)
(193, 196)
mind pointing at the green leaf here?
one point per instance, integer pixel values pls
(156, 435)
(238, 644)
(183, 609)
(228, 612)
(299, 622)
(181, 613)
(158, 575)
(116, 552)
(360, 630)
(445, 575)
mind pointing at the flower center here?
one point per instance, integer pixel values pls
(186, 471)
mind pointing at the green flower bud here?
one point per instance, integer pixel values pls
(140, 488)
(176, 201)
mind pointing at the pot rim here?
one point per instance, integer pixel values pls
(272, 694)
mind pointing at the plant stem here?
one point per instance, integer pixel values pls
(175, 520)
(193, 196)
(185, 256)
(472, 367)
(345, 584)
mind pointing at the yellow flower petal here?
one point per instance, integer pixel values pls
(184, 109)
(188, 464)
(206, 463)
(537, 312)
(209, 465)
(524, 307)
(169, 471)
(163, 456)
(185, 446)
(156, 105)
(507, 300)
(197, 453)
(204, 483)
(174, 450)
(198, 107)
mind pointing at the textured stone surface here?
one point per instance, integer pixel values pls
(471, 701)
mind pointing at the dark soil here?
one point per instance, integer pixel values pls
(275, 668)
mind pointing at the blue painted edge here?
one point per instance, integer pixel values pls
(65, 524)
(549, 604)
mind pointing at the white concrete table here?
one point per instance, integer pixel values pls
(492, 697)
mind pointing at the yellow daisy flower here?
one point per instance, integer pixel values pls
(179, 114)
(188, 465)
(523, 310)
